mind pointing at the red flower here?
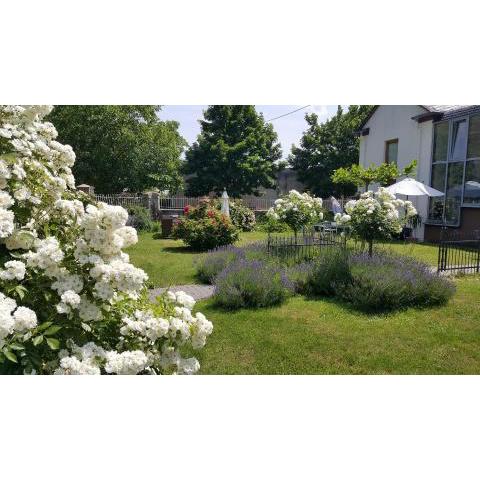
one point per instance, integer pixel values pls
(186, 209)
(210, 214)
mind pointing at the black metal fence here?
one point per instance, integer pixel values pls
(459, 254)
(303, 247)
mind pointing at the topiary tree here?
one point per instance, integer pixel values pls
(71, 302)
(297, 210)
(376, 216)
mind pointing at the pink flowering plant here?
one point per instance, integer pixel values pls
(70, 301)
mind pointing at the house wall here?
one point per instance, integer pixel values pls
(414, 142)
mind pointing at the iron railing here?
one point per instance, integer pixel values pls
(302, 247)
(459, 253)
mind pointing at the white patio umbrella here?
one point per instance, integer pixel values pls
(412, 188)
(225, 206)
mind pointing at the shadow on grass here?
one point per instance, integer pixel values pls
(330, 300)
(181, 249)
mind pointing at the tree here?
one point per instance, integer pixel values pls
(358, 176)
(235, 150)
(376, 216)
(327, 147)
(297, 210)
(121, 146)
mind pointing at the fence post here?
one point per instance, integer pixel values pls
(155, 205)
(146, 200)
(478, 257)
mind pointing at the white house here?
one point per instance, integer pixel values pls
(445, 140)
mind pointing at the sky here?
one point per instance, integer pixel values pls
(289, 128)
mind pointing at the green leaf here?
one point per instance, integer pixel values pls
(11, 356)
(20, 291)
(16, 346)
(43, 326)
(86, 327)
(37, 340)
(52, 330)
(53, 343)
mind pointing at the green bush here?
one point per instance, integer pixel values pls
(328, 272)
(204, 228)
(382, 283)
(210, 264)
(252, 283)
(242, 216)
(270, 225)
(140, 218)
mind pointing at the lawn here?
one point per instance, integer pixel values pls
(169, 262)
(323, 336)
(307, 336)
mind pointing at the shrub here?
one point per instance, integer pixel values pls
(210, 264)
(299, 275)
(140, 218)
(329, 271)
(376, 216)
(297, 210)
(204, 228)
(252, 283)
(270, 225)
(382, 283)
(242, 216)
(70, 301)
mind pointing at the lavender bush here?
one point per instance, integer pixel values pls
(252, 283)
(330, 270)
(388, 282)
(210, 264)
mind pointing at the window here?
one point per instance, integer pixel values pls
(435, 209)
(455, 169)
(391, 151)
(471, 195)
(453, 194)
(474, 137)
(459, 140)
(440, 142)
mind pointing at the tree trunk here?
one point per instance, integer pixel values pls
(370, 248)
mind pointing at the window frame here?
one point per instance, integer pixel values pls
(449, 161)
(387, 143)
(469, 159)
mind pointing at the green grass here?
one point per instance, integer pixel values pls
(425, 252)
(169, 262)
(306, 336)
(325, 337)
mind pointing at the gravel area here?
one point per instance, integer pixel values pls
(198, 292)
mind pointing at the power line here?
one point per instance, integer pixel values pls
(289, 113)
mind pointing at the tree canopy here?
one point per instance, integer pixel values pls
(326, 147)
(121, 146)
(358, 176)
(236, 150)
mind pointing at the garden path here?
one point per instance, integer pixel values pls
(198, 292)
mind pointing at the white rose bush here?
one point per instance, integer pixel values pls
(297, 210)
(70, 301)
(376, 216)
